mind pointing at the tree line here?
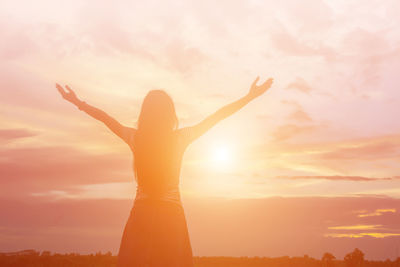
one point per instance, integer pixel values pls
(32, 258)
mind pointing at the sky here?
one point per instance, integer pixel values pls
(311, 166)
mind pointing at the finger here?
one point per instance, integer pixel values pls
(58, 86)
(268, 82)
(69, 89)
(255, 81)
(61, 91)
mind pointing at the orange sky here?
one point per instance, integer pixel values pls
(325, 136)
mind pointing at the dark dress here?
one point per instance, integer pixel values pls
(156, 233)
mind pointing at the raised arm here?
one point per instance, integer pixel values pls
(125, 133)
(193, 132)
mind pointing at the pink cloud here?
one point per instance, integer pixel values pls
(288, 131)
(301, 85)
(17, 43)
(312, 16)
(9, 134)
(289, 44)
(368, 51)
(366, 151)
(299, 114)
(28, 170)
(340, 178)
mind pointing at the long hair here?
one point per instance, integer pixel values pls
(157, 120)
(157, 113)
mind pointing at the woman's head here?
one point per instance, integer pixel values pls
(157, 113)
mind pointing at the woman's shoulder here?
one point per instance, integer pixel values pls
(128, 134)
(183, 131)
(184, 135)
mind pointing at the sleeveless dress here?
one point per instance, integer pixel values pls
(156, 233)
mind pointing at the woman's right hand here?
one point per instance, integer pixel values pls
(69, 96)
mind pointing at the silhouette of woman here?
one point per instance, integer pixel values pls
(156, 232)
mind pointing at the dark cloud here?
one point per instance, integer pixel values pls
(72, 225)
(273, 226)
(27, 170)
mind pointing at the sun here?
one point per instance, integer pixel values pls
(221, 155)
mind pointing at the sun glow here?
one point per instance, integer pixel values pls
(222, 157)
(222, 154)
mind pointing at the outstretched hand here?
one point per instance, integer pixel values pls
(257, 90)
(69, 96)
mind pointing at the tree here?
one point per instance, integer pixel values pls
(397, 262)
(354, 259)
(327, 260)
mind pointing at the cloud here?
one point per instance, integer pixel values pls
(377, 230)
(292, 46)
(300, 84)
(360, 235)
(357, 149)
(9, 134)
(91, 191)
(288, 131)
(377, 212)
(365, 151)
(65, 225)
(110, 34)
(307, 154)
(38, 169)
(267, 226)
(356, 227)
(367, 51)
(299, 114)
(17, 41)
(183, 58)
(340, 178)
(312, 16)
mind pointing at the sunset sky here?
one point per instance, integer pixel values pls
(311, 166)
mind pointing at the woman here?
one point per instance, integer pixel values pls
(156, 232)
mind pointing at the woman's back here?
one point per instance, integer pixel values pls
(156, 233)
(158, 159)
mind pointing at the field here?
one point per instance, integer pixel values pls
(34, 258)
